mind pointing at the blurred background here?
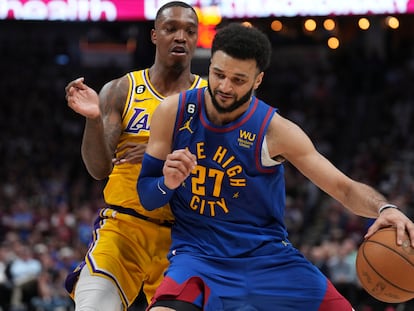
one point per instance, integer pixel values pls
(342, 70)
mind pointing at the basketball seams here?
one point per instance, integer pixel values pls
(380, 274)
(385, 269)
(401, 254)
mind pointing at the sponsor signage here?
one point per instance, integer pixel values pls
(140, 10)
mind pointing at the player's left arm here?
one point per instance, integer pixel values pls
(286, 139)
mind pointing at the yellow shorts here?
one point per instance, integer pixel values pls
(129, 251)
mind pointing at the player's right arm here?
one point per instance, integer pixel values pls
(163, 170)
(103, 121)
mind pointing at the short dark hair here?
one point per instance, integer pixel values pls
(173, 4)
(243, 42)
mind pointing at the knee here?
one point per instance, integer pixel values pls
(94, 293)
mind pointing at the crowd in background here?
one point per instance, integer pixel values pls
(357, 105)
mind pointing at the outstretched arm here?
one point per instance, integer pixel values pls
(288, 140)
(103, 121)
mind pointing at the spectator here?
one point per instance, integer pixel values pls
(24, 270)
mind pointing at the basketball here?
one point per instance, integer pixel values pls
(385, 269)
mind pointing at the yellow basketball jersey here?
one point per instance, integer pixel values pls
(140, 105)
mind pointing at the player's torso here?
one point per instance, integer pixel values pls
(140, 105)
(225, 190)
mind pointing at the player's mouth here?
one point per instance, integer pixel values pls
(179, 50)
(223, 96)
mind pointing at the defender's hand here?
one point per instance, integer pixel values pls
(82, 99)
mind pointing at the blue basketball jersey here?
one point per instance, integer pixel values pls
(229, 242)
(231, 204)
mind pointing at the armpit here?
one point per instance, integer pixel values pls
(266, 159)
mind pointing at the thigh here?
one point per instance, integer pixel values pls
(294, 284)
(258, 283)
(186, 280)
(333, 300)
(129, 252)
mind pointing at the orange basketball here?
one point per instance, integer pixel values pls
(386, 270)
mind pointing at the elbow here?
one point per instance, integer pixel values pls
(144, 196)
(147, 204)
(96, 172)
(96, 176)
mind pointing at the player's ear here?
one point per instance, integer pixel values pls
(153, 36)
(258, 80)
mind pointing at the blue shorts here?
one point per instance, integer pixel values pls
(283, 282)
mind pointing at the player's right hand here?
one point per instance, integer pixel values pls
(177, 167)
(82, 99)
(129, 152)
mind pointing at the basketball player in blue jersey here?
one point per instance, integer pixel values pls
(130, 244)
(216, 154)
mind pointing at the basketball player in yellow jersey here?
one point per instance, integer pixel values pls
(130, 244)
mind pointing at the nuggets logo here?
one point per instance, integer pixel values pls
(207, 182)
(246, 139)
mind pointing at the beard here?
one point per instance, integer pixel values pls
(236, 104)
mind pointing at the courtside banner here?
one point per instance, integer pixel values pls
(140, 10)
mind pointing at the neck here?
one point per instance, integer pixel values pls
(169, 81)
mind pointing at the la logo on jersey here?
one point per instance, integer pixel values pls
(139, 121)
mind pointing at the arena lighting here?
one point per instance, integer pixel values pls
(329, 24)
(136, 10)
(310, 25)
(208, 18)
(276, 25)
(209, 15)
(392, 22)
(247, 24)
(363, 23)
(333, 43)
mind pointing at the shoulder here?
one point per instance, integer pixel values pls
(282, 125)
(167, 109)
(170, 103)
(117, 85)
(286, 138)
(115, 92)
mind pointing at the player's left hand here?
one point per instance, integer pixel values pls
(129, 153)
(396, 218)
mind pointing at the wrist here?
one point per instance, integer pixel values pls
(163, 187)
(386, 206)
(152, 191)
